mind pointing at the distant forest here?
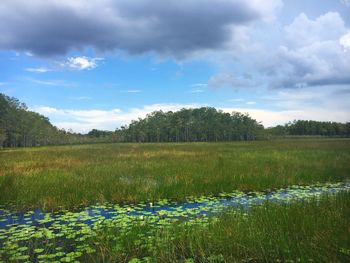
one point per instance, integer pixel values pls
(20, 127)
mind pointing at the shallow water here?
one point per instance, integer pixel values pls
(68, 231)
(193, 208)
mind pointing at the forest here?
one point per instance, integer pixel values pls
(20, 127)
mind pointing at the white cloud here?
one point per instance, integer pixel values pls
(75, 63)
(304, 31)
(85, 120)
(307, 52)
(48, 111)
(344, 41)
(198, 87)
(81, 63)
(196, 91)
(288, 105)
(38, 70)
(45, 82)
(311, 55)
(271, 118)
(269, 9)
(55, 82)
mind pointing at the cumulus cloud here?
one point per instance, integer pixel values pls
(85, 120)
(344, 41)
(307, 52)
(312, 54)
(304, 31)
(270, 118)
(55, 27)
(81, 63)
(72, 63)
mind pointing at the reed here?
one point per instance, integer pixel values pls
(72, 176)
(308, 231)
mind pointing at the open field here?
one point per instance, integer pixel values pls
(73, 176)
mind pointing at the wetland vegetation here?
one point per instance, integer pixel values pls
(173, 202)
(304, 226)
(247, 200)
(72, 176)
(193, 131)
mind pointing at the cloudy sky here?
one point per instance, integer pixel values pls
(102, 63)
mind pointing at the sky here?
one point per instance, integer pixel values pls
(99, 64)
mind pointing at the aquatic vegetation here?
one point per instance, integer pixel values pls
(144, 228)
(201, 202)
(52, 178)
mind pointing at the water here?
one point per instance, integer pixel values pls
(199, 207)
(36, 236)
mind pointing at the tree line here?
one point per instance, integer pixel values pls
(20, 127)
(192, 125)
(310, 128)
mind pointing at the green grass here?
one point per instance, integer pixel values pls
(72, 176)
(316, 229)
(308, 231)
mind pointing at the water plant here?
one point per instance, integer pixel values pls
(143, 232)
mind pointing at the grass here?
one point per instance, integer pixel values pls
(71, 176)
(315, 229)
(308, 231)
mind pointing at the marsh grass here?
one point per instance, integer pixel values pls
(73, 176)
(317, 230)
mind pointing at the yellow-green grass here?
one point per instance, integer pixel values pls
(70, 176)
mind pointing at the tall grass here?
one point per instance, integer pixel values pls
(308, 231)
(71, 176)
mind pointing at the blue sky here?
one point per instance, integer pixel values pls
(101, 64)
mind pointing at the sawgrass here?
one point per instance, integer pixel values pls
(304, 231)
(70, 176)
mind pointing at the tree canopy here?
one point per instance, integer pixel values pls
(20, 127)
(190, 125)
(308, 127)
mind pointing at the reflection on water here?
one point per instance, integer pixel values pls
(66, 236)
(193, 208)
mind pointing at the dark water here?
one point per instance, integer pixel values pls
(196, 208)
(36, 236)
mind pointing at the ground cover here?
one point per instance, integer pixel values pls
(305, 228)
(316, 230)
(53, 178)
